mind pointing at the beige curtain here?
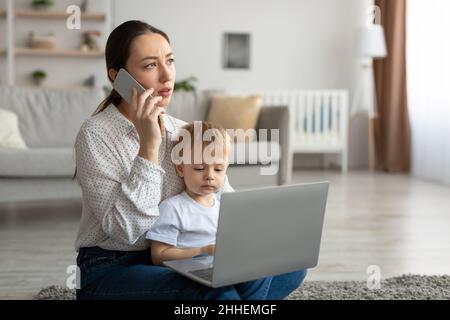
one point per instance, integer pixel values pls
(392, 129)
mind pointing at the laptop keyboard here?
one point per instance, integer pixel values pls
(205, 274)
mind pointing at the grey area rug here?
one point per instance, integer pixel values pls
(406, 287)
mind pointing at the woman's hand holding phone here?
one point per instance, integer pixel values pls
(146, 117)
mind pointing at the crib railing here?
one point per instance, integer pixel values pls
(319, 120)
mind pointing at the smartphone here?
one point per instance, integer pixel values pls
(123, 84)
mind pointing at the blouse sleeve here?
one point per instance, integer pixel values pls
(125, 204)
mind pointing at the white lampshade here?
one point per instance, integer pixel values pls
(370, 42)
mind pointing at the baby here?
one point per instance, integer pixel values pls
(187, 223)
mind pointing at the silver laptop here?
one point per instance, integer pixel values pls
(262, 232)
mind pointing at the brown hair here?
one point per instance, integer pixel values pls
(117, 52)
(195, 138)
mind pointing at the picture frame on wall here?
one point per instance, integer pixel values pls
(236, 51)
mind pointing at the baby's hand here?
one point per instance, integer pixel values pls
(210, 249)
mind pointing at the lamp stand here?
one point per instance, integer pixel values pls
(365, 99)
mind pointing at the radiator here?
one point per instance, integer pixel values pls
(319, 120)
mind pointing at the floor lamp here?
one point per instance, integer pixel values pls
(371, 44)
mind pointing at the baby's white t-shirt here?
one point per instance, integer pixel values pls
(185, 223)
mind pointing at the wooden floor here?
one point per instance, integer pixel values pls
(395, 222)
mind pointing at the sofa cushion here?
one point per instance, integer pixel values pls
(183, 105)
(254, 152)
(10, 136)
(190, 106)
(235, 112)
(250, 176)
(50, 117)
(37, 162)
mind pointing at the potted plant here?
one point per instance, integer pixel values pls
(38, 77)
(185, 85)
(42, 4)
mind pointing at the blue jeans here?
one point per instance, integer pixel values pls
(107, 274)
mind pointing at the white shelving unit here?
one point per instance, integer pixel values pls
(57, 15)
(57, 52)
(11, 51)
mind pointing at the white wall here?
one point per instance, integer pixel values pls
(305, 44)
(295, 43)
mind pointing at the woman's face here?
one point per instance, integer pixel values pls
(151, 63)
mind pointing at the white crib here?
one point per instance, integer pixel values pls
(319, 120)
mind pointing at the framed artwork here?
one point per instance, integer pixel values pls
(236, 51)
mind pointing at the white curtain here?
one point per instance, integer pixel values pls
(428, 72)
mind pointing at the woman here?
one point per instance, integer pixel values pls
(125, 170)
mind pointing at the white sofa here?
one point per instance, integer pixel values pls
(49, 120)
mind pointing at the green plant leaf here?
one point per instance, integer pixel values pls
(185, 85)
(39, 74)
